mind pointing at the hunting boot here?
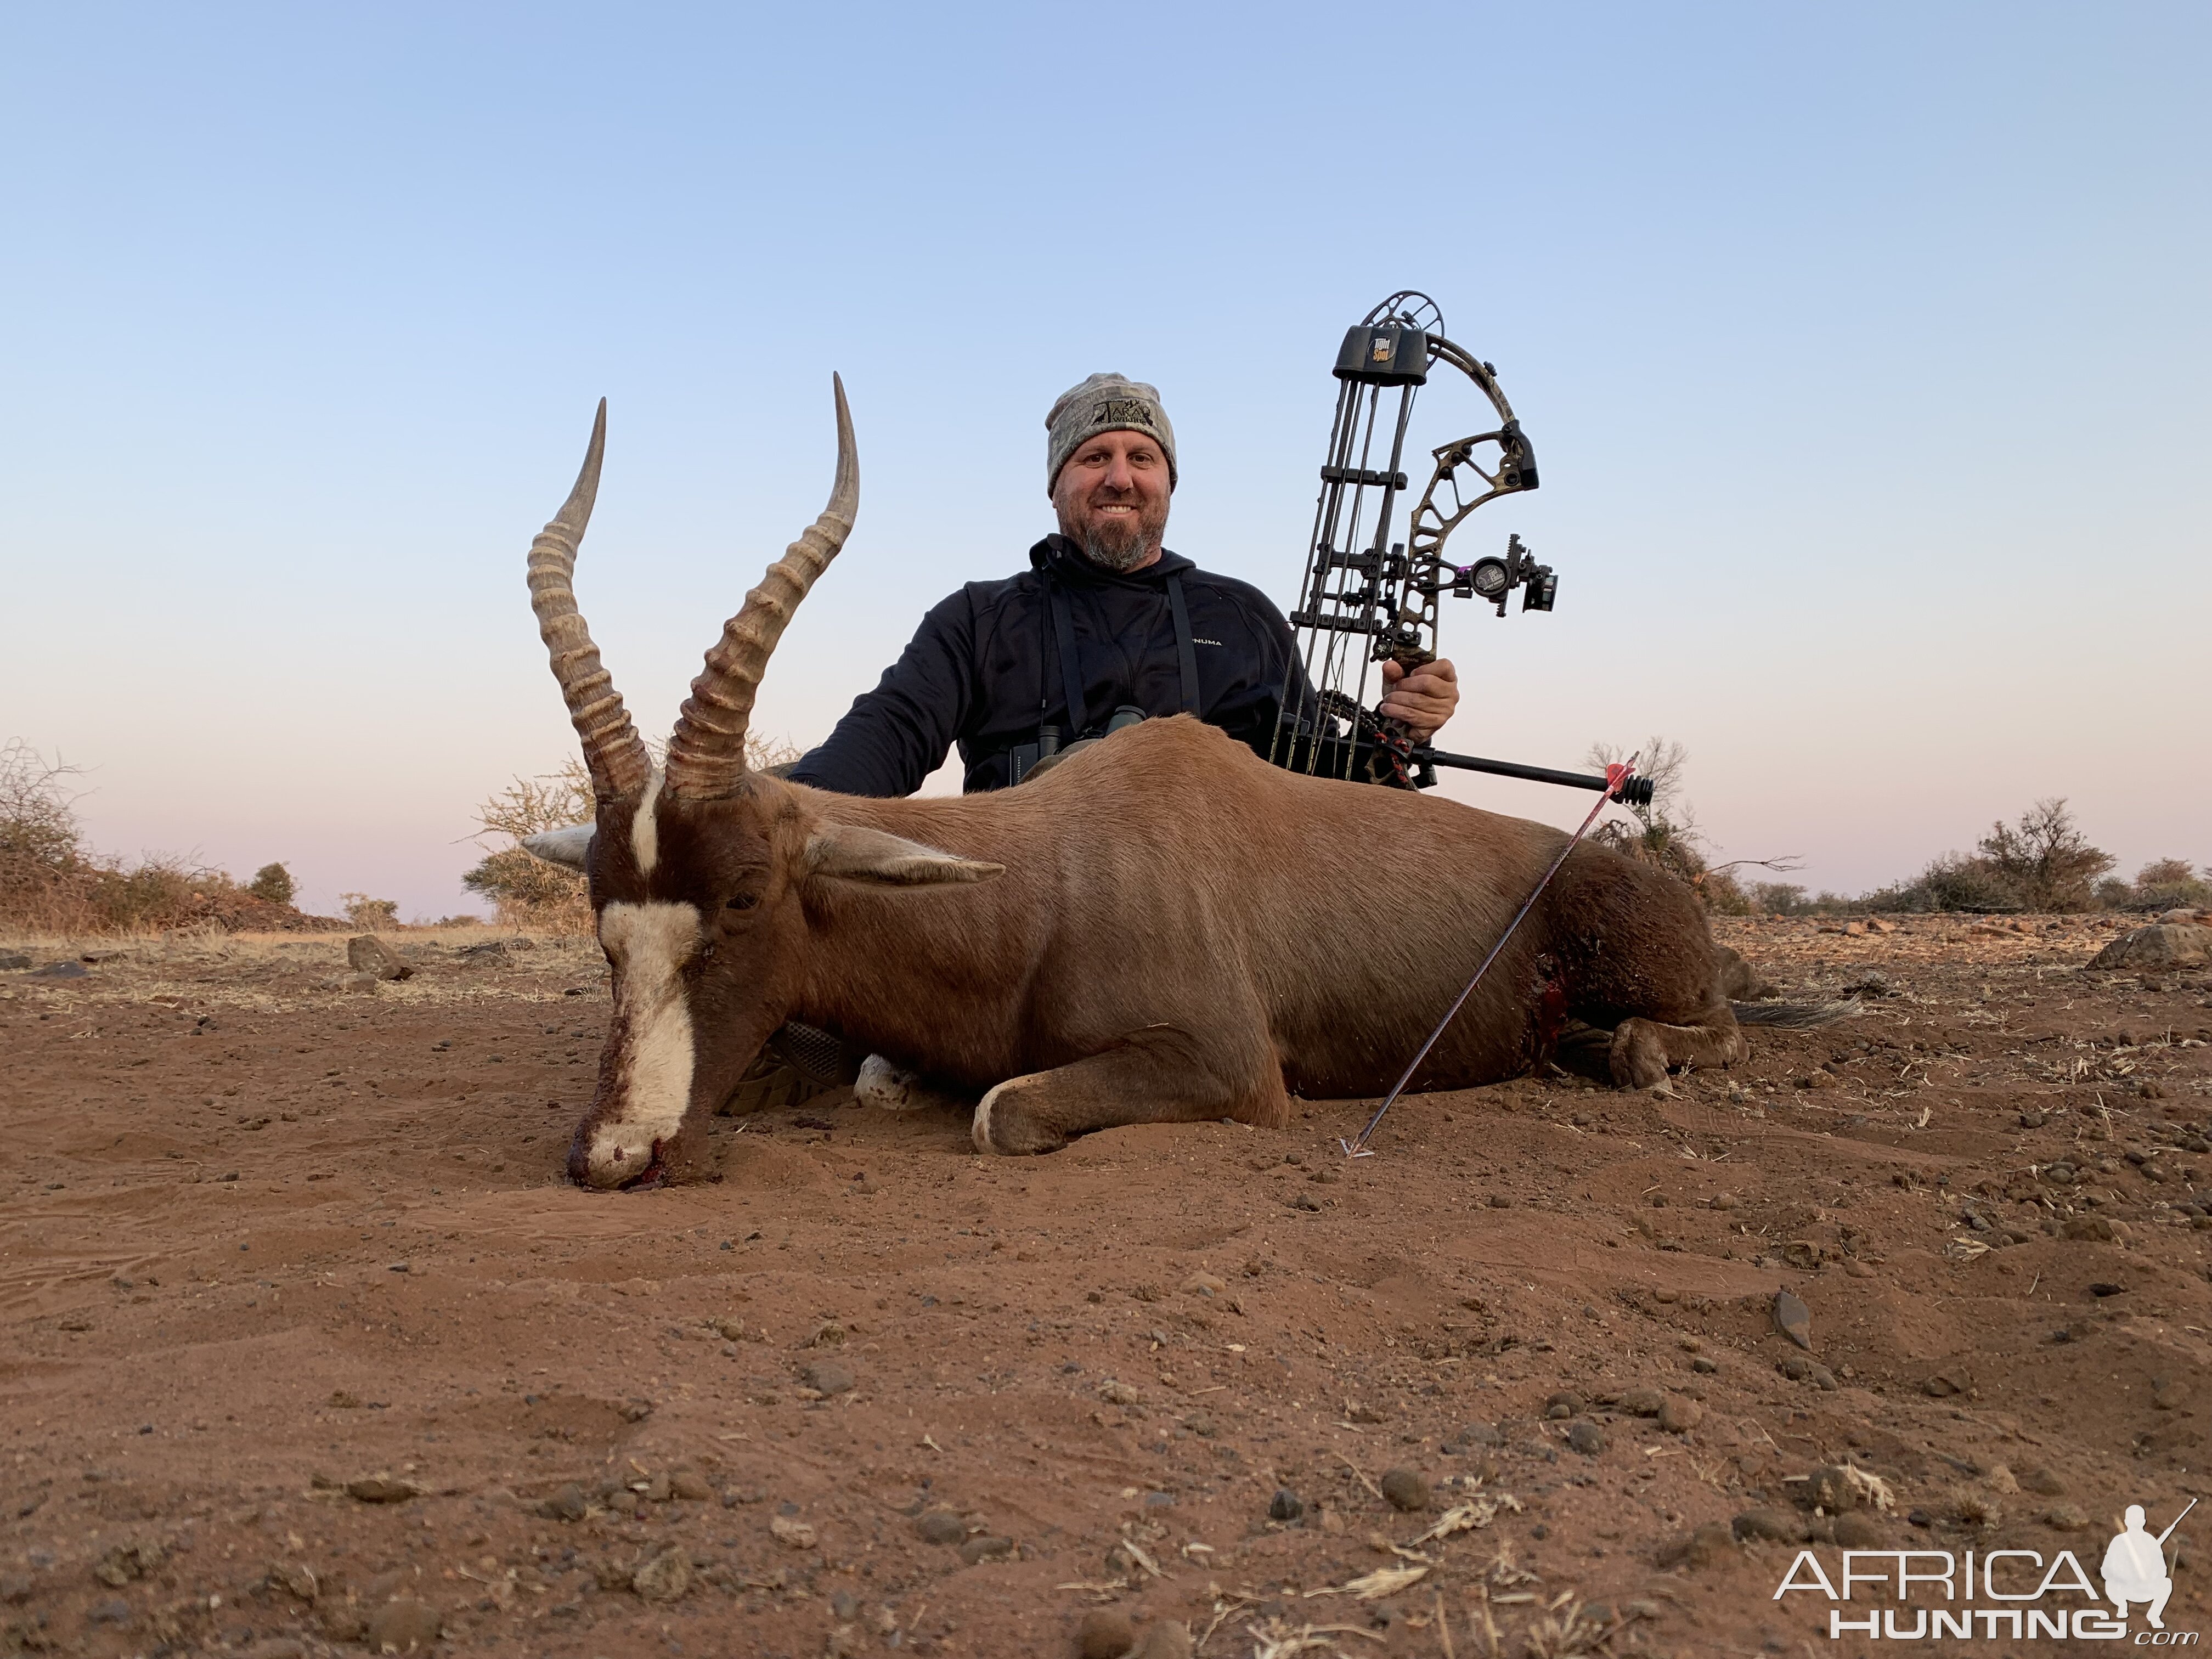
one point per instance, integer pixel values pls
(797, 1063)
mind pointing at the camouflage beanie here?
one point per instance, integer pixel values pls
(1104, 403)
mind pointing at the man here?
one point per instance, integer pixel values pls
(1105, 619)
(2135, 1567)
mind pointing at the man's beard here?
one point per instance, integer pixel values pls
(1122, 543)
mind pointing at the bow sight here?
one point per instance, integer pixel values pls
(1365, 600)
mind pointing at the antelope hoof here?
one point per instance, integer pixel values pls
(891, 1087)
(1004, 1128)
(1638, 1059)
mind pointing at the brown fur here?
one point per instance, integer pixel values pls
(1181, 931)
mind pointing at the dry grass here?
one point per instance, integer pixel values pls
(530, 894)
(51, 883)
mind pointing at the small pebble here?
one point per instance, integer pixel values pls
(379, 1489)
(1286, 1505)
(1678, 1416)
(1701, 1548)
(565, 1505)
(1587, 1438)
(1857, 1532)
(828, 1377)
(1831, 1489)
(406, 1625)
(940, 1527)
(1770, 1524)
(980, 1548)
(1406, 1489)
(664, 1578)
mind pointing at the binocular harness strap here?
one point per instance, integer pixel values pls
(1063, 626)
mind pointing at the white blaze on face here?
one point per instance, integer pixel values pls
(645, 828)
(650, 944)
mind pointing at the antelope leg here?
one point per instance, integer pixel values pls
(1646, 1050)
(1155, 1076)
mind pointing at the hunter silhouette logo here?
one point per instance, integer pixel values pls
(2135, 1566)
(1932, 1594)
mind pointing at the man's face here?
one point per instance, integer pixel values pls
(1112, 499)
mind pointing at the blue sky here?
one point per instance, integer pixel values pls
(1864, 351)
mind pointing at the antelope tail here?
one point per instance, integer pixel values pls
(1797, 1016)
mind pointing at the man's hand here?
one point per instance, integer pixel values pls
(1424, 699)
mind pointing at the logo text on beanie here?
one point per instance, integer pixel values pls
(1114, 410)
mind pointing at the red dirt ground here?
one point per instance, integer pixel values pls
(305, 1337)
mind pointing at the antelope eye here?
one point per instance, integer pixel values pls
(743, 901)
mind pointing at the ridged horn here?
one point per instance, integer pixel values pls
(612, 750)
(706, 754)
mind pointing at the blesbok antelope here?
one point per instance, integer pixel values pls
(1156, 930)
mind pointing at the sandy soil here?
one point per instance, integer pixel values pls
(307, 1340)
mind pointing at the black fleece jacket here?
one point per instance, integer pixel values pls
(983, 670)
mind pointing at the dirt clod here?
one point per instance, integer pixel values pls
(827, 1377)
(1857, 1531)
(1104, 1633)
(663, 1578)
(403, 1625)
(368, 954)
(939, 1527)
(1700, 1547)
(1406, 1489)
(566, 1503)
(1756, 1525)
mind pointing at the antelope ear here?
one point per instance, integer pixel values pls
(852, 854)
(571, 845)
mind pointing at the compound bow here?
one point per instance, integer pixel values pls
(1383, 605)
